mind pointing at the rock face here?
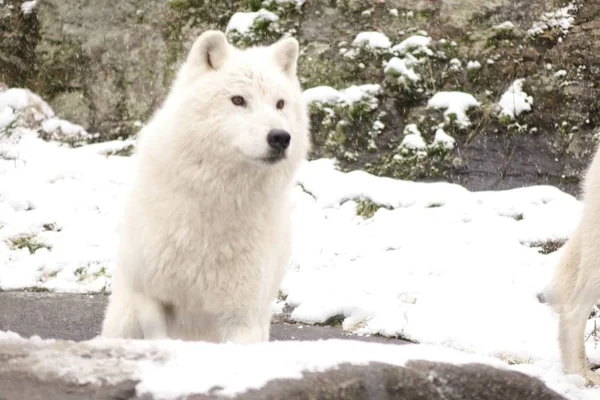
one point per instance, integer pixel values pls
(67, 370)
(106, 65)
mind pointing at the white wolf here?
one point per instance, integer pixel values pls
(575, 287)
(206, 234)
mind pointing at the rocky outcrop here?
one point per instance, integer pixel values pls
(107, 65)
(112, 370)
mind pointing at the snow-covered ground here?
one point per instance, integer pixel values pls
(436, 264)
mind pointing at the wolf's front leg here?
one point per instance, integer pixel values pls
(151, 316)
(249, 329)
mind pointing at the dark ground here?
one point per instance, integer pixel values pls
(79, 317)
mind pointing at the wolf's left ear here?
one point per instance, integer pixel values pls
(286, 55)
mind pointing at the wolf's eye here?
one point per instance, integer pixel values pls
(280, 104)
(238, 101)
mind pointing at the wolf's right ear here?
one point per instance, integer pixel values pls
(209, 51)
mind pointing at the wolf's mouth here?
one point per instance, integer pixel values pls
(274, 157)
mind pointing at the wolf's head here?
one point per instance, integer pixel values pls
(242, 106)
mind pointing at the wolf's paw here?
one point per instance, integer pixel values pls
(592, 378)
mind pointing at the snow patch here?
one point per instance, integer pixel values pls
(348, 96)
(375, 40)
(242, 22)
(456, 103)
(416, 44)
(443, 139)
(402, 67)
(412, 138)
(27, 7)
(505, 26)
(473, 65)
(562, 19)
(515, 101)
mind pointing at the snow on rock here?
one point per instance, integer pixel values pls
(242, 22)
(28, 6)
(298, 3)
(562, 19)
(279, 360)
(456, 103)
(515, 101)
(20, 99)
(412, 138)
(7, 117)
(504, 26)
(375, 40)
(173, 369)
(60, 127)
(415, 44)
(473, 65)
(402, 67)
(348, 96)
(443, 139)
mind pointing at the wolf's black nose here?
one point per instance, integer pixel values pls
(279, 139)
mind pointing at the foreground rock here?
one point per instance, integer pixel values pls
(35, 369)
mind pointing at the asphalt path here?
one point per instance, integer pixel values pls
(79, 317)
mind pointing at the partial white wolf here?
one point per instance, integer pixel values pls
(575, 287)
(206, 236)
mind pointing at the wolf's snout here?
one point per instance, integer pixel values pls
(279, 139)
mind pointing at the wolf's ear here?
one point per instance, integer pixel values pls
(286, 55)
(209, 51)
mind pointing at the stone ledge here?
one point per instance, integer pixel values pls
(103, 369)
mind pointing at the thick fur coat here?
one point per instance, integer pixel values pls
(206, 235)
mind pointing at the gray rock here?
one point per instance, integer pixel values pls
(67, 370)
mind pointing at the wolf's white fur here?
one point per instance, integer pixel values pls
(206, 235)
(575, 286)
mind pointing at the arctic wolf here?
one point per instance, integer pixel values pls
(575, 287)
(206, 236)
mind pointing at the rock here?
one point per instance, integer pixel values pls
(49, 370)
(106, 65)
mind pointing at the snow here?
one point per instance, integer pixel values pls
(19, 99)
(402, 67)
(473, 65)
(443, 139)
(57, 125)
(443, 266)
(561, 19)
(28, 6)
(242, 22)
(348, 96)
(560, 73)
(375, 40)
(504, 26)
(415, 44)
(456, 103)
(7, 116)
(298, 3)
(412, 138)
(515, 101)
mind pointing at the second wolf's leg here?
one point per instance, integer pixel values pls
(562, 285)
(573, 318)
